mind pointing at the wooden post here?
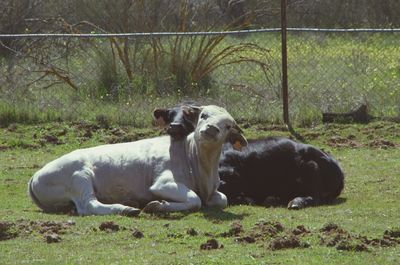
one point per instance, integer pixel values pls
(285, 94)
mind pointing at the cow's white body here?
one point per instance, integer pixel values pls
(118, 178)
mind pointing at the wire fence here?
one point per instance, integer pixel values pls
(125, 76)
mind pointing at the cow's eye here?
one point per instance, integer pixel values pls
(204, 116)
(228, 127)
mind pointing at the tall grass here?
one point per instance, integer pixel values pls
(327, 72)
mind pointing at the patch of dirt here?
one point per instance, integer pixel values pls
(235, 230)
(192, 232)
(109, 226)
(285, 242)
(137, 234)
(337, 141)
(52, 238)
(51, 139)
(268, 228)
(382, 144)
(393, 233)
(7, 230)
(10, 230)
(211, 244)
(335, 236)
(52, 226)
(300, 230)
(263, 230)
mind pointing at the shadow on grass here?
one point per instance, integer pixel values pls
(215, 214)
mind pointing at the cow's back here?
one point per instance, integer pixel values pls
(116, 171)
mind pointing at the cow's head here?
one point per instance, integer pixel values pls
(215, 126)
(179, 121)
(324, 174)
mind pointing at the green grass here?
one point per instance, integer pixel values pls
(368, 205)
(327, 72)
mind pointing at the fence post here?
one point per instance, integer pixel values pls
(285, 94)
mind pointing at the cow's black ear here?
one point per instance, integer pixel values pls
(237, 139)
(161, 117)
(191, 113)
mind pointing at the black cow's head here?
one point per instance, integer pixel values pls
(179, 121)
(326, 176)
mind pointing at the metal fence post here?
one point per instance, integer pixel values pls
(284, 63)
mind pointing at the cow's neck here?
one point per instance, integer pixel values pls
(204, 166)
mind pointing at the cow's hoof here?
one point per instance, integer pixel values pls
(153, 207)
(293, 206)
(130, 212)
(296, 204)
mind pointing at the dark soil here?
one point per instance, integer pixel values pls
(300, 230)
(109, 226)
(211, 244)
(44, 227)
(382, 144)
(335, 236)
(393, 233)
(52, 238)
(137, 234)
(235, 230)
(268, 228)
(7, 230)
(10, 230)
(285, 242)
(337, 141)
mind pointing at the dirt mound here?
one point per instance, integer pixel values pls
(49, 227)
(268, 228)
(7, 230)
(109, 226)
(382, 144)
(393, 233)
(52, 238)
(235, 230)
(335, 236)
(337, 141)
(262, 231)
(300, 230)
(137, 234)
(211, 244)
(285, 242)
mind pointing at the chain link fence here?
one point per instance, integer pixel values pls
(124, 77)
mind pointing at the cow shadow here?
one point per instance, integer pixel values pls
(216, 214)
(337, 201)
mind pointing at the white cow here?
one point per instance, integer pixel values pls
(159, 173)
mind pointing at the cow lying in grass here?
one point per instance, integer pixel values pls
(274, 169)
(159, 174)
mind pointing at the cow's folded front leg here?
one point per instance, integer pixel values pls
(218, 199)
(175, 197)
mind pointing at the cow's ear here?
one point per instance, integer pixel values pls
(191, 113)
(237, 139)
(161, 117)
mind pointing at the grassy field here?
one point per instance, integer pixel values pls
(369, 155)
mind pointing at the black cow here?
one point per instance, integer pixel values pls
(273, 170)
